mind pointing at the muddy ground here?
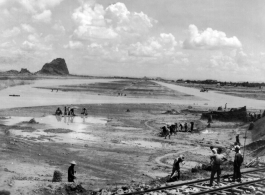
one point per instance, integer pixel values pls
(128, 148)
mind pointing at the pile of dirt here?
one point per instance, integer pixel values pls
(255, 145)
(74, 189)
(173, 111)
(4, 192)
(57, 176)
(259, 129)
(235, 114)
(32, 121)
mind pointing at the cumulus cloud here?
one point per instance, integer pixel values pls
(74, 45)
(11, 32)
(115, 21)
(2, 2)
(59, 27)
(35, 46)
(28, 46)
(45, 16)
(8, 44)
(34, 5)
(153, 47)
(209, 39)
(28, 28)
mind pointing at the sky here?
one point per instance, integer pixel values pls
(174, 39)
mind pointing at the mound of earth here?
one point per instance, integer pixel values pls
(173, 111)
(55, 67)
(258, 132)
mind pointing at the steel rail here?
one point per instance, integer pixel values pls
(227, 187)
(187, 183)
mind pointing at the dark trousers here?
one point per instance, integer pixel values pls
(237, 173)
(215, 169)
(175, 170)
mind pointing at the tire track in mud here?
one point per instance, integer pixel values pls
(159, 162)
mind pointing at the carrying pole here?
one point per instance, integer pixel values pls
(245, 143)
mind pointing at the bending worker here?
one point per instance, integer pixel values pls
(176, 166)
(71, 172)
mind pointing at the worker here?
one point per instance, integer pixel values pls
(167, 131)
(68, 111)
(237, 140)
(72, 113)
(65, 111)
(216, 165)
(237, 163)
(172, 129)
(181, 126)
(176, 166)
(71, 172)
(214, 151)
(186, 127)
(176, 127)
(58, 112)
(84, 111)
(191, 126)
(210, 119)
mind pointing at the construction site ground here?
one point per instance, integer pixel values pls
(123, 148)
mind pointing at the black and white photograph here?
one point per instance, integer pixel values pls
(132, 97)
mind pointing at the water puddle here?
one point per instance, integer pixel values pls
(126, 128)
(150, 144)
(207, 132)
(55, 128)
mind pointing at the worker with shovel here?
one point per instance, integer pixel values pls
(176, 166)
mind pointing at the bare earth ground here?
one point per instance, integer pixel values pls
(239, 91)
(123, 156)
(128, 88)
(129, 149)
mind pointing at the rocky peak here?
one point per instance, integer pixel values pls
(55, 67)
(24, 71)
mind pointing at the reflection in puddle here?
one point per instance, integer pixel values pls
(206, 131)
(79, 126)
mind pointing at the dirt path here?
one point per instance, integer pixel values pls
(217, 99)
(158, 159)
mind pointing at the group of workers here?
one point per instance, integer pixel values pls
(216, 160)
(169, 130)
(69, 111)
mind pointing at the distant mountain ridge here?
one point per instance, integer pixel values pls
(57, 66)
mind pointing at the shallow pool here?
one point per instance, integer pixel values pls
(61, 129)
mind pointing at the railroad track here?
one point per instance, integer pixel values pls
(252, 180)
